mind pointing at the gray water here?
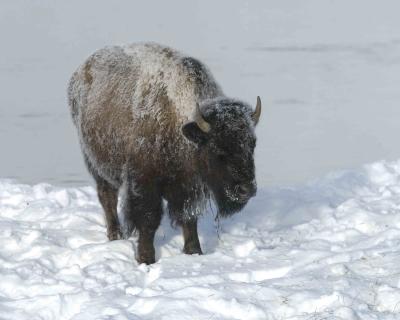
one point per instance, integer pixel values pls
(328, 73)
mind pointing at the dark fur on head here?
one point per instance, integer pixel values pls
(226, 152)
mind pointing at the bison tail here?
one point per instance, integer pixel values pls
(129, 224)
(72, 98)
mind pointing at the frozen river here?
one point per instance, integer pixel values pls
(328, 73)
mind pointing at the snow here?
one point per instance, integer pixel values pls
(327, 249)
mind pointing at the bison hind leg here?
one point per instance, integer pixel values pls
(108, 197)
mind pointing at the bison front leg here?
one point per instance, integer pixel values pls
(191, 238)
(149, 221)
(108, 196)
(176, 207)
(146, 251)
(143, 212)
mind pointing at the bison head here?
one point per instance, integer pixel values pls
(223, 131)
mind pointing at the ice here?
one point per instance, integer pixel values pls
(327, 73)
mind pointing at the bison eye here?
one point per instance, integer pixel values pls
(222, 157)
(234, 171)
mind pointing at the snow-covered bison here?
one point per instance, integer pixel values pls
(153, 124)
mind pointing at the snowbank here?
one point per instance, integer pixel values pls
(328, 249)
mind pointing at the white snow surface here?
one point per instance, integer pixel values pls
(328, 249)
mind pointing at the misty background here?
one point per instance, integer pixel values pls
(328, 73)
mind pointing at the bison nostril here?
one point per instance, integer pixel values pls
(243, 190)
(246, 190)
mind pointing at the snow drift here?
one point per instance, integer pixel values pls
(328, 249)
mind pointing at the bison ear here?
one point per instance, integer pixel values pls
(193, 132)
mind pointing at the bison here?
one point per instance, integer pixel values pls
(154, 125)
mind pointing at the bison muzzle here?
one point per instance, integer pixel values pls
(154, 125)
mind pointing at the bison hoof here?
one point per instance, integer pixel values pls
(192, 250)
(114, 235)
(147, 259)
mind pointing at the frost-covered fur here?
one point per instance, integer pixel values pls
(129, 101)
(129, 105)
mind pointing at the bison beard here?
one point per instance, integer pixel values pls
(153, 124)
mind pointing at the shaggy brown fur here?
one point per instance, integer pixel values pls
(129, 105)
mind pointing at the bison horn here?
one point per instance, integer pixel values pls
(203, 124)
(256, 114)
